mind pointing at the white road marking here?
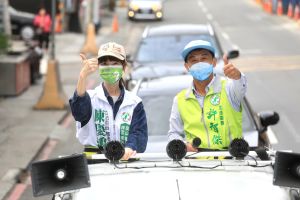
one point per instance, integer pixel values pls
(272, 137)
(225, 35)
(216, 24)
(234, 46)
(290, 127)
(209, 16)
(204, 9)
(200, 4)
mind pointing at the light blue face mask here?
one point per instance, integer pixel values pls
(201, 71)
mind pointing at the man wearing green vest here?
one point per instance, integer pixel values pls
(211, 108)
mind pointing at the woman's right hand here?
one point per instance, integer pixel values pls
(128, 153)
(88, 66)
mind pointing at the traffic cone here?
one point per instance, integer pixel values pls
(269, 6)
(297, 13)
(290, 10)
(259, 2)
(115, 24)
(90, 45)
(279, 8)
(58, 23)
(53, 97)
(122, 3)
(265, 5)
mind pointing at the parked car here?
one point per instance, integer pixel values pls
(145, 10)
(159, 51)
(22, 24)
(158, 95)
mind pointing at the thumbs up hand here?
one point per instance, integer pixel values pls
(88, 66)
(230, 70)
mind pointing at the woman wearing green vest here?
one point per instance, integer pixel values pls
(211, 108)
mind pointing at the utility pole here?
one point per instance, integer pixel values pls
(5, 26)
(90, 46)
(53, 16)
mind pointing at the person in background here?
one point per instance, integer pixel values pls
(42, 22)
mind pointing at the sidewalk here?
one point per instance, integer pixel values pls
(24, 131)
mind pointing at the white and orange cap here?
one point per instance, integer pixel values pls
(112, 49)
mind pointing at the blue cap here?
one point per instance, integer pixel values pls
(197, 44)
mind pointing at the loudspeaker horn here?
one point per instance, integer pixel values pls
(287, 169)
(57, 175)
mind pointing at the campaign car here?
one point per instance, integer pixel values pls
(172, 175)
(248, 169)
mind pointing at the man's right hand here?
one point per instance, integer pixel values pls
(88, 66)
(190, 148)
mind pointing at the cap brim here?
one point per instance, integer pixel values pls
(111, 54)
(186, 52)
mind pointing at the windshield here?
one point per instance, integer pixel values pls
(168, 48)
(158, 110)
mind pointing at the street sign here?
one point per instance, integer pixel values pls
(4, 18)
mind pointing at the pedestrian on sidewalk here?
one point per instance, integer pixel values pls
(108, 112)
(42, 22)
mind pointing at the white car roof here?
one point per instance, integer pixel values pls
(235, 179)
(178, 29)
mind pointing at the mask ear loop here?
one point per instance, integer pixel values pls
(189, 68)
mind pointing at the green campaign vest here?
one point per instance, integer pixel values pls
(216, 124)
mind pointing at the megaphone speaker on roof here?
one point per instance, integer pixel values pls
(287, 169)
(239, 148)
(176, 149)
(58, 175)
(114, 151)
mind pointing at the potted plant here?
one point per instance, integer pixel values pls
(4, 43)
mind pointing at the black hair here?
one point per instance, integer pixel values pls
(112, 58)
(212, 54)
